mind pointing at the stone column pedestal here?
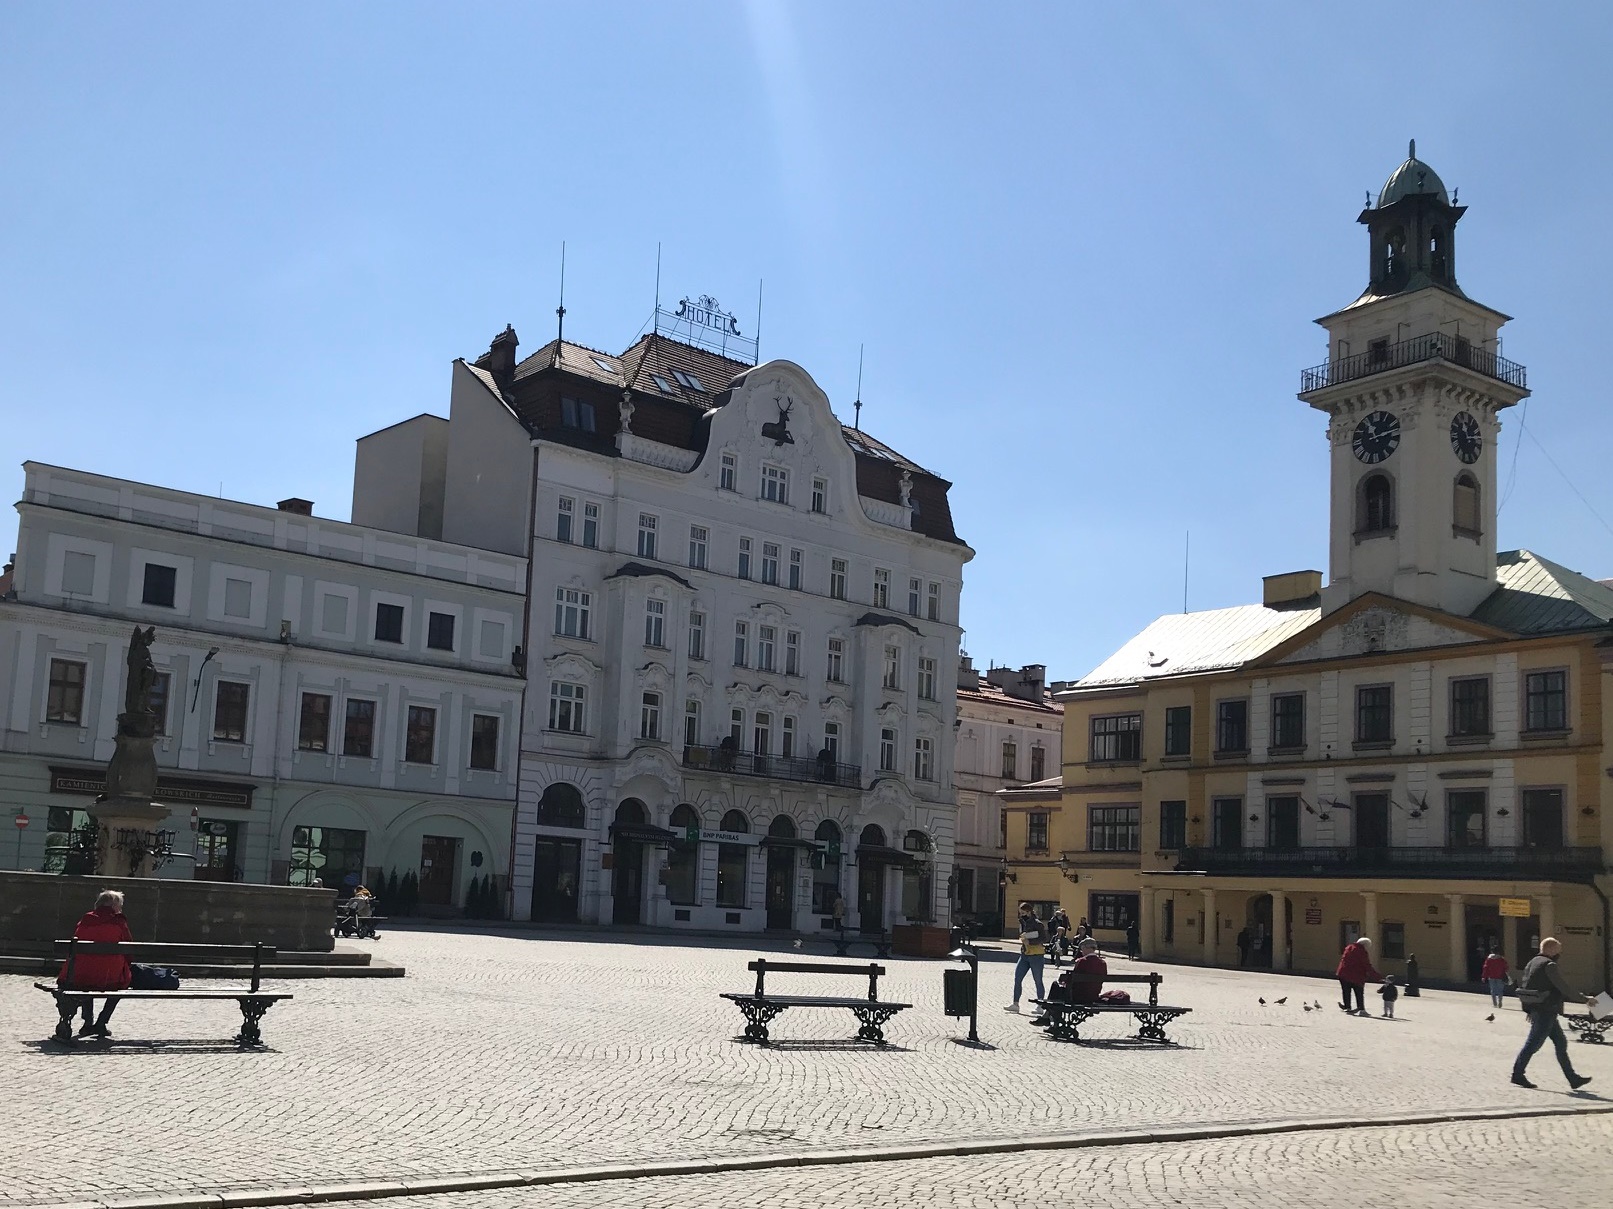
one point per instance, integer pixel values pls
(127, 830)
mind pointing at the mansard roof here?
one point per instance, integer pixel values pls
(674, 386)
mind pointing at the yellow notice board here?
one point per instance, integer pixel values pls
(1517, 908)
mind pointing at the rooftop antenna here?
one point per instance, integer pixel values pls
(560, 311)
(658, 275)
(1187, 549)
(758, 321)
(857, 407)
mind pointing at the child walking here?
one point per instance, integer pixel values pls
(1390, 993)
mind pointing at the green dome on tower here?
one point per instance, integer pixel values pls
(1411, 177)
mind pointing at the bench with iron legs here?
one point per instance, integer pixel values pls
(1588, 1027)
(876, 938)
(252, 1001)
(1064, 1019)
(759, 1007)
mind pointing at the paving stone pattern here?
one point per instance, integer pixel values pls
(1454, 1166)
(511, 1051)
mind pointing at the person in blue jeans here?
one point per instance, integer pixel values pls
(1032, 952)
(1542, 993)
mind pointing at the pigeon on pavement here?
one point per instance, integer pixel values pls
(1262, 1003)
(1491, 1017)
(1282, 1001)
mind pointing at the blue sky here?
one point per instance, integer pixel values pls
(1083, 245)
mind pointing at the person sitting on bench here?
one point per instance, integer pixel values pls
(100, 971)
(1089, 965)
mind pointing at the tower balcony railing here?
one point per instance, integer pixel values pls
(780, 768)
(1547, 864)
(1432, 347)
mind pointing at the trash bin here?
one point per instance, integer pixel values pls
(958, 992)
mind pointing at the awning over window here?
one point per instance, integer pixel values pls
(880, 855)
(790, 841)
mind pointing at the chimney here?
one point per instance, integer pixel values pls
(1026, 684)
(499, 360)
(968, 678)
(1292, 589)
(300, 507)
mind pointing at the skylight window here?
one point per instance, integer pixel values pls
(662, 384)
(604, 365)
(689, 380)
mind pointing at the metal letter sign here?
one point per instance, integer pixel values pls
(705, 312)
(704, 324)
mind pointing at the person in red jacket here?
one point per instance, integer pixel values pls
(99, 971)
(1494, 974)
(1354, 972)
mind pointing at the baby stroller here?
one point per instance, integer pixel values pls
(354, 918)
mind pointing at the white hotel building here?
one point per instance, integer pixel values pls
(331, 698)
(742, 637)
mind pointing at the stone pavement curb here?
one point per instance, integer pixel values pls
(438, 1185)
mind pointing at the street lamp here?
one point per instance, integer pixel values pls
(21, 820)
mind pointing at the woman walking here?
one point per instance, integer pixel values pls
(1354, 972)
(1494, 974)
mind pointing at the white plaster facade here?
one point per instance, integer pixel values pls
(814, 577)
(290, 607)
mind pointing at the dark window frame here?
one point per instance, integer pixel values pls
(1113, 910)
(1036, 831)
(1114, 827)
(59, 691)
(1375, 717)
(156, 591)
(1173, 824)
(1545, 706)
(358, 727)
(420, 735)
(306, 721)
(1288, 725)
(1115, 738)
(232, 708)
(1468, 705)
(389, 620)
(436, 623)
(1232, 726)
(1178, 730)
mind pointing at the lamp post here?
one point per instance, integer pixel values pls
(21, 820)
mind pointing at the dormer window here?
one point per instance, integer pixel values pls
(575, 413)
(685, 378)
(663, 385)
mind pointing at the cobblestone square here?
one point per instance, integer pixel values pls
(511, 1052)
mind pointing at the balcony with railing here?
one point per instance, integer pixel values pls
(780, 768)
(1546, 864)
(1436, 346)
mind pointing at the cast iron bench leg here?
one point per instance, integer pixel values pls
(65, 1008)
(758, 1014)
(252, 1010)
(873, 1018)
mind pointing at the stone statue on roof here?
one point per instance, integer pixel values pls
(906, 488)
(625, 409)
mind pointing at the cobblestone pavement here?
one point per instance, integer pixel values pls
(1462, 1165)
(510, 1051)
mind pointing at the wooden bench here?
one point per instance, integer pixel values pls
(252, 1001)
(876, 938)
(759, 1007)
(1064, 1020)
(1588, 1027)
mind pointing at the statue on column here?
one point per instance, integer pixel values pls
(125, 814)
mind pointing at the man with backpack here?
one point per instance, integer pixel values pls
(1542, 994)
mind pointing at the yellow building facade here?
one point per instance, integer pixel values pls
(1416, 751)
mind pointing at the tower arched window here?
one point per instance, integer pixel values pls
(1465, 505)
(1438, 260)
(1376, 507)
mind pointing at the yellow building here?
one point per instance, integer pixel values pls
(1416, 751)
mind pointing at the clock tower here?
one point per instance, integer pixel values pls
(1413, 388)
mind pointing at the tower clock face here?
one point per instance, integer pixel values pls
(1376, 437)
(1466, 439)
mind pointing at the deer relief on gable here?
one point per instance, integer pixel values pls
(778, 431)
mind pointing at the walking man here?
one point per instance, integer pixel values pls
(1134, 939)
(1032, 948)
(1542, 995)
